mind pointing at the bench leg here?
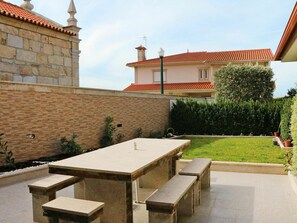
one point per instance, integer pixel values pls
(197, 192)
(55, 220)
(37, 201)
(186, 204)
(205, 180)
(157, 217)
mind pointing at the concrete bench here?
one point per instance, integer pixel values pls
(73, 210)
(175, 198)
(45, 190)
(199, 167)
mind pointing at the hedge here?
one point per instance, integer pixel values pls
(286, 119)
(294, 135)
(225, 118)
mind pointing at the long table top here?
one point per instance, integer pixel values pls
(123, 161)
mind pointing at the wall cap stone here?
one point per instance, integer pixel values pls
(10, 86)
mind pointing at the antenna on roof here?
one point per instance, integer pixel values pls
(144, 40)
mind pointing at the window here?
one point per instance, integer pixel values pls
(203, 75)
(157, 76)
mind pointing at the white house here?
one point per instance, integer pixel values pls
(190, 73)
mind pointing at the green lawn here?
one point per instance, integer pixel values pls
(254, 150)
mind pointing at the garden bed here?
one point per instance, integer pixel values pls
(31, 163)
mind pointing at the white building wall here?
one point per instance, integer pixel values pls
(178, 73)
(174, 74)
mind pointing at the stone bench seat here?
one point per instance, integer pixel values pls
(175, 198)
(45, 190)
(73, 210)
(199, 167)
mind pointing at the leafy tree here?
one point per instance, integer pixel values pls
(244, 83)
(291, 93)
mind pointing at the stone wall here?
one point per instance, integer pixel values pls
(51, 112)
(33, 54)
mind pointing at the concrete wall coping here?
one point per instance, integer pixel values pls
(13, 86)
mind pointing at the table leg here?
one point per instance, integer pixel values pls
(117, 196)
(158, 176)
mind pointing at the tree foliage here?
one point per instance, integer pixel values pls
(291, 93)
(244, 83)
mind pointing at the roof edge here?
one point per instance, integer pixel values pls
(290, 27)
(52, 25)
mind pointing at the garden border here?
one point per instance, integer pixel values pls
(262, 168)
(20, 175)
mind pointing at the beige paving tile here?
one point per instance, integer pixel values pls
(233, 197)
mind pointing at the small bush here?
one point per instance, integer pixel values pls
(138, 133)
(108, 131)
(9, 159)
(70, 147)
(119, 137)
(155, 134)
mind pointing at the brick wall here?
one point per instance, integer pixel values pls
(33, 54)
(51, 112)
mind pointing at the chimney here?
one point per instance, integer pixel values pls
(141, 53)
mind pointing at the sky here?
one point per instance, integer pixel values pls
(111, 29)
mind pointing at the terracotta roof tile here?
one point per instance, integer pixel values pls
(208, 57)
(17, 12)
(170, 86)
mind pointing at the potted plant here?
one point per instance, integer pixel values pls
(288, 142)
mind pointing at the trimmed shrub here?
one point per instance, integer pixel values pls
(244, 82)
(225, 117)
(286, 119)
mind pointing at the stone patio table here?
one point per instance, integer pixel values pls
(109, 172)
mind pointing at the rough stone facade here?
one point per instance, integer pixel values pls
(34, 54)
(51, 112)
